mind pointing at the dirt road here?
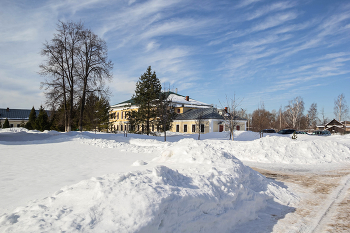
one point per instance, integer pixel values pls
(324, 204)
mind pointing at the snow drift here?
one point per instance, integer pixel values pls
(214, 192)
(161, 200)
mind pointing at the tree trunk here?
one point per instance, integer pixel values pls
(82, 106)
(164, 129)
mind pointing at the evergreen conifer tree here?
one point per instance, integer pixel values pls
(6, 124)
(42, 121)
(32, 118)
(148, 90)
(96, 113)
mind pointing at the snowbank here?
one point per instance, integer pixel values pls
(157, 200)
(246, 147)
(288, 151)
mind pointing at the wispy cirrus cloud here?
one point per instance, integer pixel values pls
(245, 3)
(275, 20)
(276, 6)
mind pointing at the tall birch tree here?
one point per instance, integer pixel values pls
(340, 108)
(294, 111)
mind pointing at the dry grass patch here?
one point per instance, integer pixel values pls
(341, 221)
(314, 189)
(320, 184)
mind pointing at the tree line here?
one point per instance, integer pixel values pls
(293, 115)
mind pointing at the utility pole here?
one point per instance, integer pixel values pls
(280, 119)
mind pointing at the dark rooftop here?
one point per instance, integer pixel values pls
(192, 114)
(17, 113)
(207, 113)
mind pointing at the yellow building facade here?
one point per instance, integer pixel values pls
(187, 121)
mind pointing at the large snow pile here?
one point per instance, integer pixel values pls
(159, 200)
(189, 187)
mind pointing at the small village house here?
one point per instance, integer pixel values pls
(335, 126)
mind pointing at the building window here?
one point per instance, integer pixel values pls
(202, 128)
(193, 128)
(177, 128)
(11, 125)
(185, 128)
(18, 125)
(152, 128)
(121, 116)
(117, 115)
(121, 127)
(117, 128)
(178, 110)
(238, 127)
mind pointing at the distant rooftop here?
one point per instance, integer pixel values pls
(19, 114)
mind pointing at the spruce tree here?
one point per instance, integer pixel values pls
(32, 118)
(96, 113)
(6, 124)
(148, 90)
(42, 121)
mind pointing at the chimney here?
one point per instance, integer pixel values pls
(187, 98)
(7, 110)
(176, 90)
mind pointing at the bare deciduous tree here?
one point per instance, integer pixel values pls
(76, 64)
(340, 108)
(294, 111)
(165, 113)
(93, 67)
(60, 68)
(199, 122)
(312, 116)
(231, 114)
(262, 119)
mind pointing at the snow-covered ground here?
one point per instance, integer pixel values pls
(87, 182)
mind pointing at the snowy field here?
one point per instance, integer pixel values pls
(86, 182)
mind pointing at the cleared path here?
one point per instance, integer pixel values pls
(324, 204)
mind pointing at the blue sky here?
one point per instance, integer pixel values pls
(263, 51)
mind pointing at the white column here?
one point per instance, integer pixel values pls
(211, 126)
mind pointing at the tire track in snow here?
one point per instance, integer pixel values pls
(337, 196)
